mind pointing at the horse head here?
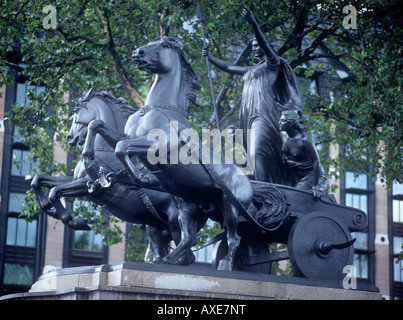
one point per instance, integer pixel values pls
(164, 56)
(97, 106)
(157, 56)
(83, 115)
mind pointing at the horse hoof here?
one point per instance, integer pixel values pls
(79, 224)
(157, 261)
(186, 260)
(165, 261)
(224, 265)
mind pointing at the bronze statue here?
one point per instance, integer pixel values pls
(130, 202)
(201, 191)
(130, 165)
(269, 88)
(300, 155)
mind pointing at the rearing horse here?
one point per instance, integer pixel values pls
(122, 198)
(167, 106)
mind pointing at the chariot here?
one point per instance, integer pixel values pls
(317, 232)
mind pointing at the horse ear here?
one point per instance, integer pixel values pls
(90, 94)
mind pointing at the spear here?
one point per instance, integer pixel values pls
(200, 17)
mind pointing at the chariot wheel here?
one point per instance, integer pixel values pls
(320, 246)
(244, 256)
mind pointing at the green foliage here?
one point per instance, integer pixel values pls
(209, 231)
(285, 269)
(80, 53)
(101, 222)
(136, 244)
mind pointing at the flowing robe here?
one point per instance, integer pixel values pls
(269, 89)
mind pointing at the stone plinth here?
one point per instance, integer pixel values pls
(140, 281)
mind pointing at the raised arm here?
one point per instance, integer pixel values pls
(224, 66)
(271, 55)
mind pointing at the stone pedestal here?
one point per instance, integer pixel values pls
(141, 281)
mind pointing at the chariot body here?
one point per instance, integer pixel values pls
(317, 232)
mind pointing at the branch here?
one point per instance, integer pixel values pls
(305, 55)
(164, 28)
(50, 91)
(117, 65)
(84, 57)
(327, 115)
(295, 34)
(300, 60)
(20, 9)
(72, 38)
(317, 24)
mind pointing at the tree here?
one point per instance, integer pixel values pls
(89, 44)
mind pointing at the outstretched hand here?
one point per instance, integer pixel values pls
(248, 16)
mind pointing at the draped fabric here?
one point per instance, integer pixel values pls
(269, 89)
(303, 172)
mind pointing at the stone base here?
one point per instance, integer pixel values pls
(141, 281)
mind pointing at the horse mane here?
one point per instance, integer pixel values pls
(190, 76)
(120, 104)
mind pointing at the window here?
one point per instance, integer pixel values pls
(397, 210)
(19, 231)
(356, 196)
(356, 181)
(18, 274)
(23, 90)
(361, 264)
(397, 202)
(20, 166)
(205, 254)
(397, 244)
(14, 204)
(19, 263)
(88, 241)
(398, 266)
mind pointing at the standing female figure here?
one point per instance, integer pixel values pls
(270, 87)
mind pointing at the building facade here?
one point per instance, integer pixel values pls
(27, 248)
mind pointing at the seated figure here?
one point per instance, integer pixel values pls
(300, 155)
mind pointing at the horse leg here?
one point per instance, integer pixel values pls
(188, 214)
(159, 242)
(126, 149)
(40, 181)
(231, 224)
(110, 135)
(76, 188)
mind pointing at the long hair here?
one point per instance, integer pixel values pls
(295, 118)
